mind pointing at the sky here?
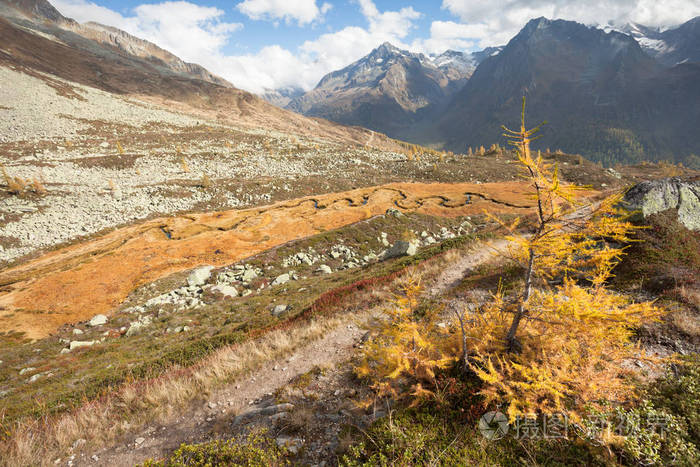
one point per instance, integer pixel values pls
(259, 45)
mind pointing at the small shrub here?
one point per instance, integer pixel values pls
(38, 187)
(257, 451)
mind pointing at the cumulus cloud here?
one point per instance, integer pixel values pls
(301, 11)
(165, 24)
(496, 21)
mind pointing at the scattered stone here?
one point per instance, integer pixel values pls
(613, 172)
(35, 377)
(225, 290)
(78, 443)
(249, 275)
(279, 417)
(137, 326)
(77, 331)
(26, 370)
(293, 445)
(98, 320)
(281, 279)
(212, 405)
(262, 411)
(199, 276)
(324, 269)
(139, 441)
(278, 310)
(384, 240)
(78, 344)
(394, 213)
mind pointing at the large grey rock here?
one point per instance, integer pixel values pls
(225, 290)
(199, 276)
(655, 196)
(400, 248)
(98, 320)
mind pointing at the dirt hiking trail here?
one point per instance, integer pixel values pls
(336, 347)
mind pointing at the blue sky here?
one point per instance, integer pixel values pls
(268, 44)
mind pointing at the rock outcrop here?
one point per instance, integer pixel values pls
(655, 196)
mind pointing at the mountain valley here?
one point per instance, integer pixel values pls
(192, 274)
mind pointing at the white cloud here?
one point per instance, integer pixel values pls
(496, 21)
(192, 32)
(301, 11)
(196, 34)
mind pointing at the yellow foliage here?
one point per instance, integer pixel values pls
(120, 148)
(559, 343)
(402, 358)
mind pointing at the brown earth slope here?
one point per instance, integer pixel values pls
(77, 282)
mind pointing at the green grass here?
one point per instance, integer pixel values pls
(257, 451)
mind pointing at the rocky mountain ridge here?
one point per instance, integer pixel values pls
(389, 90)
(629, 105)
(40, 14)
(633, 89)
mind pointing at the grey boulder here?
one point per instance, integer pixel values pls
(654, 196)
(199, 276)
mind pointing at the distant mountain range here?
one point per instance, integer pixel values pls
(613, 95)
(390, 90)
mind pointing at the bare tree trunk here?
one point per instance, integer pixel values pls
(511, 341)
(464, 338)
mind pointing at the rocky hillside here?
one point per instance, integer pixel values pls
(628, 105)
(390, 90)
(38, 40)
(672, 46)
(42, 15)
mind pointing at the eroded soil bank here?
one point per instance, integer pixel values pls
(74, 283)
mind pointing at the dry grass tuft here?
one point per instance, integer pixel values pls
(299, 419)
(184, 165)
(19, 186)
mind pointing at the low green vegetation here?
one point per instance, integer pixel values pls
(257, 451)
(69, 380)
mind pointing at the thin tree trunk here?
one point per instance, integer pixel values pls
(512, 342)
